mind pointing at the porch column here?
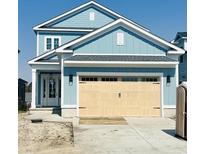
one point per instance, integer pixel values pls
(34, 84)
(62, 80)
(177, 75)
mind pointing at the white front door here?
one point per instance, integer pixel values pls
(50, 90)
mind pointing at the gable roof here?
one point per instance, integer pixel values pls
(114, 23)
(39, 27)
(42, 56)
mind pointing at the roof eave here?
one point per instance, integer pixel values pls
(120, 64)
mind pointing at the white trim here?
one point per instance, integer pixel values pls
(118, 54)
(177, 75)
(52, 42)
(32, 61)
(69, 106)
(77, 95)
(92, 16)
(176, 52)
(62, 80)
(87, 36)
(46, 67)
(66, 30)
(44, 63)
(169, 106)
(34, 84)
(121, 74)
(41, 56)
(37, 44)
(120, 41)
(162, 95)
(144, 32)
(82, 6)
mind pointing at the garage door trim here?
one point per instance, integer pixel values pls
(160, 75)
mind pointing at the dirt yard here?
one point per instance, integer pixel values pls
(45, 137)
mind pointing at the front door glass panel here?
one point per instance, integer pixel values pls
(52, 88)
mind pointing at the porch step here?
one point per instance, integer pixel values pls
(46, 110)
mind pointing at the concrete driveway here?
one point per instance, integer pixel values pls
(140, 135)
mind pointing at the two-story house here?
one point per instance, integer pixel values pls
(92, 61)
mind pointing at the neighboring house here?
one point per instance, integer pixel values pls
(181, 41)
(28, 94)
(91, 61)
(21, 91)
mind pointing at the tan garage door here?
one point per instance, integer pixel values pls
(111, 99)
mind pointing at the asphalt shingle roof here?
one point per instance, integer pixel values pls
(119, 58)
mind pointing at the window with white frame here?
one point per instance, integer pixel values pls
(92, 16)
(48, 43)
(120, 38)
(52, 43)
(56, 43)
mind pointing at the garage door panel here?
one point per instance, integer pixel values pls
(119, 99)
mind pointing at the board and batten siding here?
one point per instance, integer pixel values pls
(107, 44)
(65, 37)
(82, 19)
(70, 90)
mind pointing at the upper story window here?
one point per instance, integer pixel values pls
(52, 42)
(92, 16)
(120, 38)
(48, 44)
(56, 43)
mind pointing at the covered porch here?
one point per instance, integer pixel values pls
(46, 87)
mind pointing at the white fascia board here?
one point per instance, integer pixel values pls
(176, 52)
(144, 32)
(62, 15)
(82, 6)
(64, 30)
(63, 51)
(89, 35)
(118, 15)
(151, 35)
(44, 63)
(68, 106)
(41, 56)
(55, 67)
(169, 106)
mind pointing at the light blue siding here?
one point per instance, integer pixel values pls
(82, 19)
(65, 37)
(70, 92)
(107, 44)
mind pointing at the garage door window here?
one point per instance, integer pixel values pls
(131, 79)
(108, 79)
(89, 79)
(141, 79)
